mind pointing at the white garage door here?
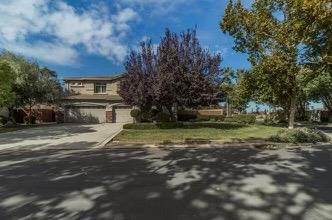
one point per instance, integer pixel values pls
(123, 116)
(95, 114)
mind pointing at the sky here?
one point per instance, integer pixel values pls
(93, 37)
(89, 38)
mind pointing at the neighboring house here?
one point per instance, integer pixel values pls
(95, 100)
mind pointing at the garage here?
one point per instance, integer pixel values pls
(85, 114)
(122, 115)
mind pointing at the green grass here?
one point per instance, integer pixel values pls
(201, 133)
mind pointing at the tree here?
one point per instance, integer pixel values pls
(136, 87)
(180, 73)
(320, 89)
(7, 77)
(313, 21)
(235, 87)
(32, 84)
(269, 33)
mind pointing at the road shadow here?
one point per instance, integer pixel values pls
(167, 183)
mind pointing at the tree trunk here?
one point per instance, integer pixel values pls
(11, 115)
(292, 110)
(227, 107)
(30, 109)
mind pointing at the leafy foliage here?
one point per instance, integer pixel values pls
(135, 113)
(300, 135)
(277, 35)
(242, 119)
(235, 88)
(179, 73)
(320, 89)
(7, 77)
(184, 125)
(27, 83)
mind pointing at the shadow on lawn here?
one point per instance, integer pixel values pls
(167, 183)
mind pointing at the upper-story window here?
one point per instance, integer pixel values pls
(76, 84)
(100, 88)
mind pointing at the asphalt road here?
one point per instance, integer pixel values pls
(167, 183)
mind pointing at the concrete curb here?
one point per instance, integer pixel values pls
(106, 141)
(216, 144)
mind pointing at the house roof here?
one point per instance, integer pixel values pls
(94, 97)
(97, 78)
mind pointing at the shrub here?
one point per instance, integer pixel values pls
(300, 135)
(135, 113)
(211, 118)
(3, 120)
(30, 119)
(184, 125)
(163, 117)
(187, 115)
(151, 126)
(242, 119)
(146, 116)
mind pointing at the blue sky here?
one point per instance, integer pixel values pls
(86, 38)
(93, 37)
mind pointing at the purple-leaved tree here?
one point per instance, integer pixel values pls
(179, 73)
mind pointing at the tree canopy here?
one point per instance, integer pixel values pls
(281, 38)
(179, 72)
(26, 82)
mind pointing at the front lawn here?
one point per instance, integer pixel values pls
(225, 132)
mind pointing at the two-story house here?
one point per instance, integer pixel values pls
(95, 100)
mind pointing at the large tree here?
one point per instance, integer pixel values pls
(320, 89)
(235, 89)
(136, 87)
(179, 72)
(7, 78)
(272, 34)
(32, 84)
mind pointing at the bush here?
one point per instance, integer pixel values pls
(211, 118)
(184, 125)
(151, 126)
(3, 120)
(242, 119)
(300, 135)
(187, 115)
(163, 117)
(135, 113)
(30, 119)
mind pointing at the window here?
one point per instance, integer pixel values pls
(76, 84)
(100, 88)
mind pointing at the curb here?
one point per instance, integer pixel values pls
(106, 141)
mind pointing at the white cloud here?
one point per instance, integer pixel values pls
(48, 52)
(159, 6)
(63, 29)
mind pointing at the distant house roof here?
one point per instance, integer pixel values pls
(94, 97)
(97, 78)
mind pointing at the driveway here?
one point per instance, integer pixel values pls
(66, 136)
(208, 183)
(327, 129)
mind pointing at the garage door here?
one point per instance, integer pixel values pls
(95, 114)
(123, 116)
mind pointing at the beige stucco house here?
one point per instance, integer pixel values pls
(95, 100)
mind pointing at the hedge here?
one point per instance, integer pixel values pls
(300, 135)
(242, 119)
(184, 125)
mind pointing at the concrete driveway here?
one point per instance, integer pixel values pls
(65, 136)
(209, 183)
